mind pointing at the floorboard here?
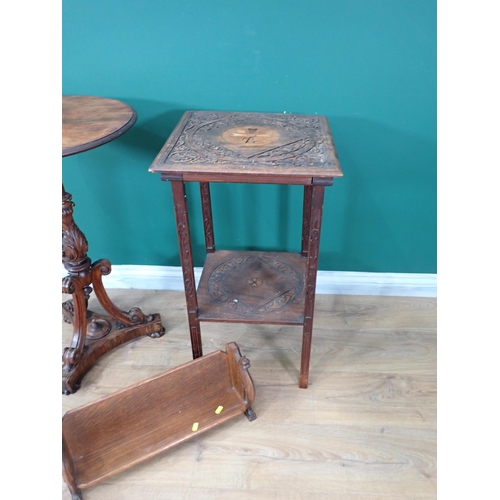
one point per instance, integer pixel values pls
(365, 429)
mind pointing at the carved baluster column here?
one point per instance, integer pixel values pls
(78, 264)
(74, 243)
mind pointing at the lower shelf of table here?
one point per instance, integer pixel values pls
(253, 287)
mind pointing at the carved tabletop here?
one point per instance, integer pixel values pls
(282, 148)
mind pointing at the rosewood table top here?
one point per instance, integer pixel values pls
(89, 122)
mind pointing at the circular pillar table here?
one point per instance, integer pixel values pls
(89, 122)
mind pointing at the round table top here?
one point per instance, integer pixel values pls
(89, 122)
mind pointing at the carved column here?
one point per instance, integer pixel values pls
(77, 263)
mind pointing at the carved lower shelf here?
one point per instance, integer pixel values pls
(116, 432)
(108, 334)
(252, 287)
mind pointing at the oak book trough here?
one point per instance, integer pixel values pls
(118, 431)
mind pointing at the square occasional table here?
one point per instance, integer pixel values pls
(257, 148)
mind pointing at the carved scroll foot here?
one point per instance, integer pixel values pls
(95, 334)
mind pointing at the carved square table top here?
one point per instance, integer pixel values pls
(256, 147)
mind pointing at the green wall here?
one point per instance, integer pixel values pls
(369, 66)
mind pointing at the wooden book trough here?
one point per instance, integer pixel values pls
(118, 431)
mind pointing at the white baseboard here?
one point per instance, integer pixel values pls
(328, 282)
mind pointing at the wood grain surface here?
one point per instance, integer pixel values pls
(88, 122)
(252, 287)
(365, 429)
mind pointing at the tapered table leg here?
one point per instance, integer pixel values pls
(315, 195)
(181, 217)
(93, 334)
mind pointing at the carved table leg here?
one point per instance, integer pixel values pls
(181, 217)
(208, 226)
(305, 219)
(316, 194)
(93, 334)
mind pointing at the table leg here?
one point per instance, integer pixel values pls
(181, 217)
(305, 219)
(208, 226)
(314, 224)
(93, 334)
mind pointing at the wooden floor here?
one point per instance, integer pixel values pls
(365, 429)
